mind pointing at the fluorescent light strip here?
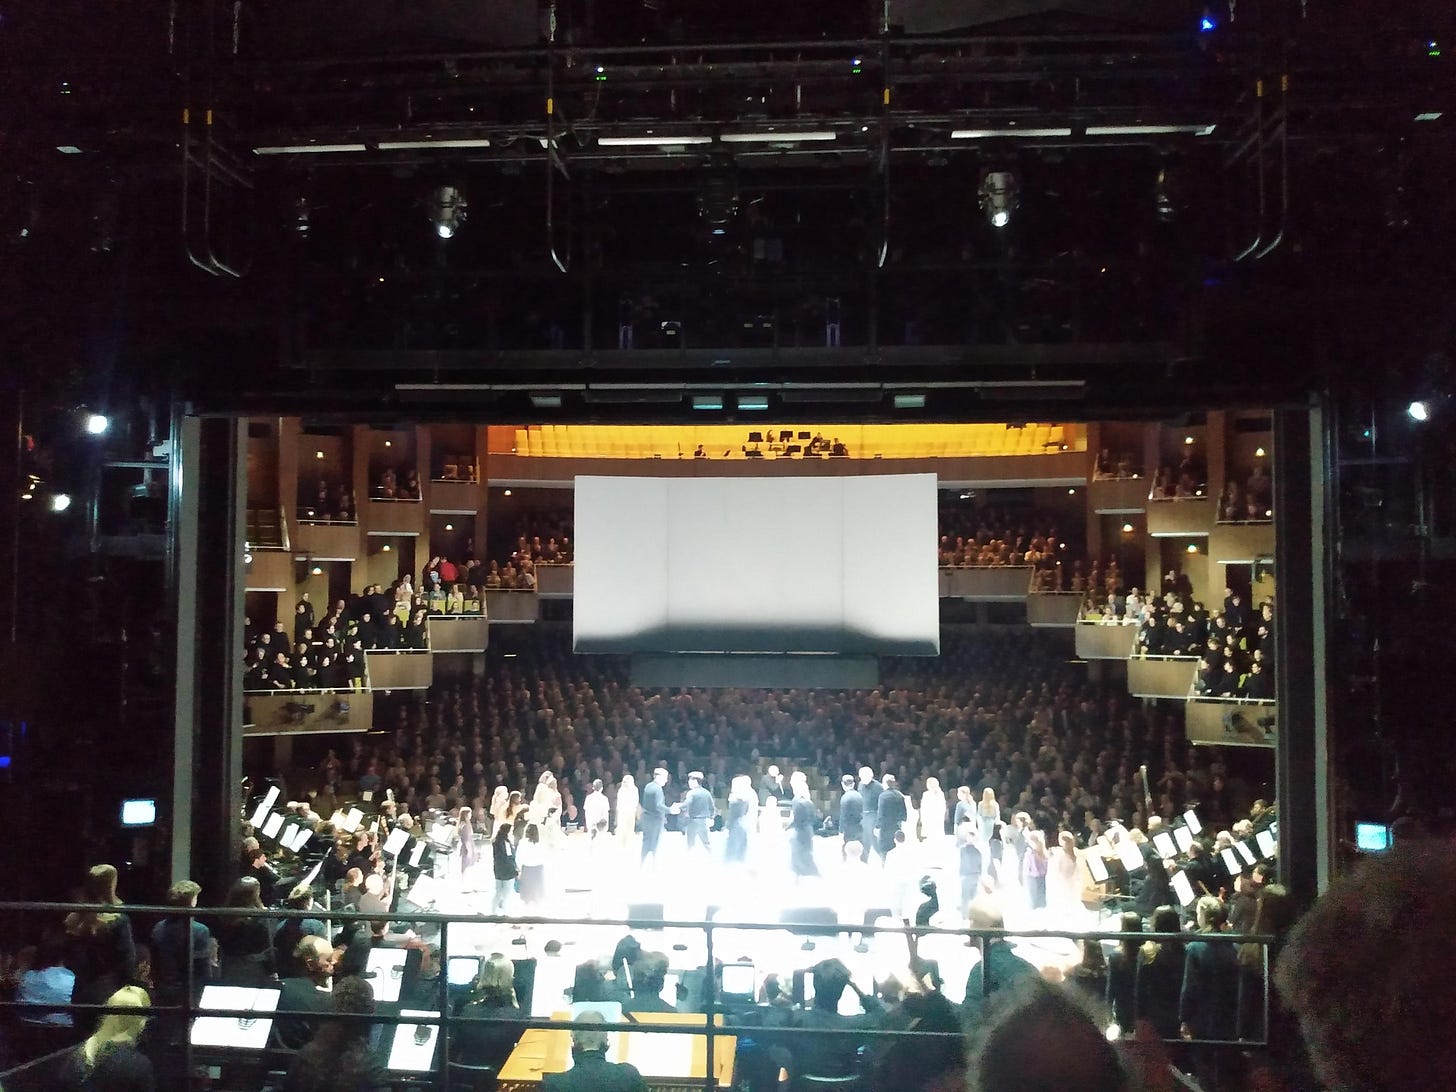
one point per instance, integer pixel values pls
(983, 134)
(650, 141)
(401, 145)
(307, 149)
(1147, 130)
(773, 138)
(1426, 115)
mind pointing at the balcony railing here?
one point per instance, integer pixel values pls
(419, 1018)
(1231, 722)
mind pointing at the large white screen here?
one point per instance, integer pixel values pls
(835, 565)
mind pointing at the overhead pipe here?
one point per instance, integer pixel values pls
(552, 159)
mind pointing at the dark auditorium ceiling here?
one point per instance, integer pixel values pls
(676, 195)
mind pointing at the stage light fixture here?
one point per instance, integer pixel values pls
(1258, 452)
(301, 214)
(386, 548)
(1000, 195)
(1193, 547)
(317, 570)
(447, 208)
(449, 527)
(60, 502)
(1127, 528)
(718, 200)
(97, 424)
(1208, 22)
(1419, 411)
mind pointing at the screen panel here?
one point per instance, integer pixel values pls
(766, 565)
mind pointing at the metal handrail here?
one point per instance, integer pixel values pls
(710, 1028)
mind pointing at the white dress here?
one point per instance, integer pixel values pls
(1064, 889)
(627, 804)
(932, 814)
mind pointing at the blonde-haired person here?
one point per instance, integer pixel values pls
(109, 1058)
(988, 814)
(100, 949)
(629, 803)
(490, 1023)
(1064, 888)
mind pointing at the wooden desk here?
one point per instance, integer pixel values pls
(668, 1063)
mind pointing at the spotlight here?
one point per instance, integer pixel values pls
(97, 423)
(1258, 452)
(247, 558)
(1208, 22)
(718, 200)
(1127, 528)
(447, 210)
(1192, 547)
(1419, 411)
(449, 527)
(60, 502)
(1000, 196)
(386, 547)
(317, 570)
(301, 217)
(1169, 194)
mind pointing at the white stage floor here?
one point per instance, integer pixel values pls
(603, 879)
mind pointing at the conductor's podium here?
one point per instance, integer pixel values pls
(667, 1062)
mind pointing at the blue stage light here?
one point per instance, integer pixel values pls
(1207, 23)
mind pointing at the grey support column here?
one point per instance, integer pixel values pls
(208, 509)
(1302, 562)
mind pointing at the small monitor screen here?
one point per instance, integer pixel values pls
(138, 813)
(1372, 837)
(462, 970)
(738, 979)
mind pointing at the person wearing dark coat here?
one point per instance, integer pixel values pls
(1122, 972)
(100, 949)
(802, 823)
(654, 814)
(698, 811)
(771, 784)
(590, 1071)
(891, 813)
(851, 810)
(1209, 1001)
(1160, 975)
(1003, 967)
(869, 791)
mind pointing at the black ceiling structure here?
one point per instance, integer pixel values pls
(235, 209)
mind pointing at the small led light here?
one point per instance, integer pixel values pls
(386, 547)
(317, 570)
(1192, 547)
(60, 502)
(318, 454)
(1258, 452)
(449, 527)
(1188, 439)
(97, 423)
(1072, 491)
(388, 443)
(1127, 528)
(508, 492)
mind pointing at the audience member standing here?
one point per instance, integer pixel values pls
(1160, 975)
(100, 950)
(245, 945)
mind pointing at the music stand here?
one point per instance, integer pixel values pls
(1267, 843)
(235, 1032)
(1183, 837)
(1183, 888)
(412, 1048)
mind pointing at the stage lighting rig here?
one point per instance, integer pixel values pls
(1000, 196)
(447, 206)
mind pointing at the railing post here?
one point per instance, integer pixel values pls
(710, 988)
(444, 979)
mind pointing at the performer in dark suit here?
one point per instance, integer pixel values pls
(698, 811)
(851, 810)
(590, 1071)
(892, 814)
(802, 822)
(772, 784)
(869, 791)
(742, 805)
(654, 813)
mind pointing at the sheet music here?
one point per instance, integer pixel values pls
(236, 1033)
(1182, 888)
(313, 874)
(408, 1056)
(299, 838)
(397, 840)
(1245, 852)
(1163, 843)
(387, 967)
(352, 820)
(273, 825)
(1231, 861)
(1184, 837)
(1268, 844)
(417, 853)
(1191, 818)
(1130, 855)
(261, 812)
(1097, 867)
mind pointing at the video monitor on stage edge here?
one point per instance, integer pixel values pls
(738, 980)
(1372, 837)
(462, 970)
(138, 813)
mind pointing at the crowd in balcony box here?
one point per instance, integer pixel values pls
(402, 483)
(1120, 464)
(327, 653)
(326, 501)
(1249, 500)
(1187, 478)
